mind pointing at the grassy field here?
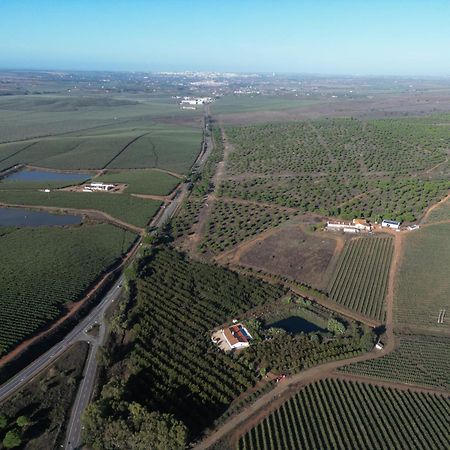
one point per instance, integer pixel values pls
(423, 289)
(133, 210)
(46, 402)
(440, 213)
(231, 223)
(45, 269)
(24, 117)
(423, 360)
(333, 414)
(341, 167)
(361, 277)
(250, 103)
(143, 145)
(142, 181)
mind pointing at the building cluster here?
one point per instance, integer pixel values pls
(193, 102)
(98, 187)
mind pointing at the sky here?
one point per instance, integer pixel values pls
(366, 37)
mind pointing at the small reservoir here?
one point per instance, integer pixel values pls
(47, 176)
(19, 217)
(295, 325)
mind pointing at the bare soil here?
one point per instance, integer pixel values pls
(292, 252)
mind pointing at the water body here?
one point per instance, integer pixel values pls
(19, 217)
(43, 176)
(295, 325)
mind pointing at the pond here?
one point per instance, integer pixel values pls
(295, 325)
(19, 217)
(44, 176)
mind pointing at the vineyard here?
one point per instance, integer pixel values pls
(231, 223)
(174, 365)
(341, 167)
(423, 360)
(133, 210)
(334, 414)
(360, 279)
(422, 289)
(45, 269)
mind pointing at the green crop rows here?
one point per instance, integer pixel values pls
(231, 223)
(341, 167)
(422, 285)
(334, 414)
(360, 280)
(44, 269)
(421, 360)
(133, 210)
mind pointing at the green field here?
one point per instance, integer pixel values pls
(143, 145)
(342, 167)
(360, 279)
(253, 103)
(45, 269)
(133, 210)
(142, 181)
(423, 360)
(422, 288)
(333, 414)
(24, 117)
(440, 213)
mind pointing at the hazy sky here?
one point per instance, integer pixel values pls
(335, 36)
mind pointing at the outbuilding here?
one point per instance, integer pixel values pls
(387, 223)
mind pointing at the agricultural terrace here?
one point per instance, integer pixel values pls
(293, 251)
(423, 360)
(174, 366)
(334, 414)
(44, 270)
(30, 116)
(127, 208)
(342, 167)
(422, 287)
(142, 181)
(361, 277)
(161, 146)
(230, 223)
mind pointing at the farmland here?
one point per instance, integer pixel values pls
(46, 402)
(231, 223)
(44, 270)
(422, 289)
(423, 360)
(341, 167)
(143, 145)
(174, 366)
(294, 252)
(333, 414)
(129, 209)
(142, 181)
(360, 279)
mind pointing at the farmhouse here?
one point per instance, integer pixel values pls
(98, 186)
(236, 336)
(387, 223)
(355, 226)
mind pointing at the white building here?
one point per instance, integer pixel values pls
(236, 336)
(387, 223)
(98, 186)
